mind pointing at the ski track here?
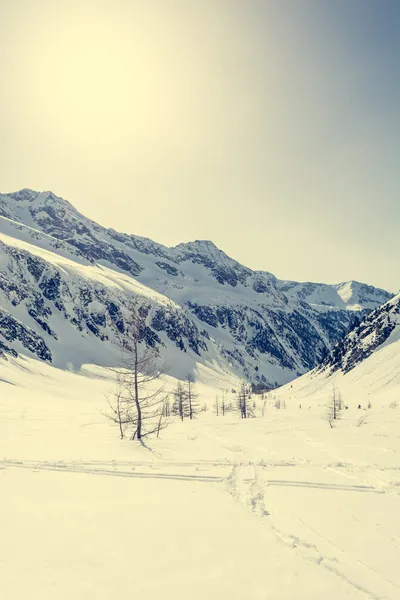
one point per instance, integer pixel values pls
(247, 482)
(251, 492)
(88, 468)
(351, 469)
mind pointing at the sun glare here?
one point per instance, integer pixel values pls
(103, 80)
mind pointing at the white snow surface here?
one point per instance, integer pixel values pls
(279, 507)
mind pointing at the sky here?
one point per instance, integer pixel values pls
(270, 127)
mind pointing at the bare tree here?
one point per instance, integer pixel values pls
(216, 406)
(334, 407)
(118, 409)
(243, 404)
(362, 420)
(179, 407)
(224, 407)
(264, 403)
(138, 401)
(167, 407)
(191, 396)
(339, 400)
(163, 413)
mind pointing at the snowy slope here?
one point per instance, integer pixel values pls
(378, 329)
(279, 507)
(68, 310)
(67, 282)
(364, 365)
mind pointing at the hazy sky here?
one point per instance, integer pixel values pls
(270, 127)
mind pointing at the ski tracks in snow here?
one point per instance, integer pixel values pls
(248, 484)
(120, 469)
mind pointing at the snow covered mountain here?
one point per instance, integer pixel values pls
(67, 286)
(350, 295)
(378, 329)
(364, 365)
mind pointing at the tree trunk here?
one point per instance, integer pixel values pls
(137, 401)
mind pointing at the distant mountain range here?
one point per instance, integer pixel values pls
(67, 287)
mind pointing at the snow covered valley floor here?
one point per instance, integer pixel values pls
(272, 508)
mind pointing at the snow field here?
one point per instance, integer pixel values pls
(272, 508)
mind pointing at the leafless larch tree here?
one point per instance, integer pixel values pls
(179, 406)
(334, 407)
(138, 404)
(191, 396)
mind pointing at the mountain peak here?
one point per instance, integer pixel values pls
(28, 195)
(357, 294)
(24, 194)
(201, 245)
(204, 248)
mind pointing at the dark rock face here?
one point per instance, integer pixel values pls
(12, 330)
(50, 286)
(266, 342)
(4, 349)
(204, 313)
(224, 274)
(40, 313)
(178, 327)
(364, 338)
(142, 245)
(116, 316)
(260, 286)
(35, 267)
(168, 268)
